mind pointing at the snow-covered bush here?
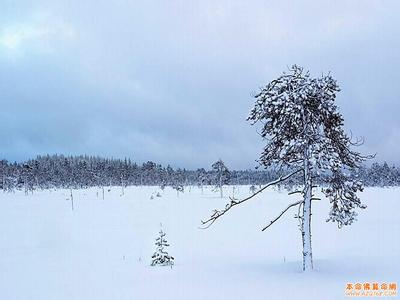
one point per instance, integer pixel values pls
(161, 256)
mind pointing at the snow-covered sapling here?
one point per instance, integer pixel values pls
(178, 188)
(161, 256)
(222, 175)
(304, 135)
(252, 189)
(202, 178)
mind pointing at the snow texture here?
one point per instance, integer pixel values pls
(102, 249)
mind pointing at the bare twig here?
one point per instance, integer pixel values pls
(281, 214)
(295, 192)
(218, 213)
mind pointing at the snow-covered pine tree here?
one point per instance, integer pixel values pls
(202, 178)
(304, 133)
(252, 189)
(178, 181)
(161, 256)
(222, 175)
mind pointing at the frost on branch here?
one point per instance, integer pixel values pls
(301, 122)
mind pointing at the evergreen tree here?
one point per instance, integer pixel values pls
(222, 175)
(304, 135)
(59, 171)
(161, 256)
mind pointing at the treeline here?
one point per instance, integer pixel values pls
(58, 171)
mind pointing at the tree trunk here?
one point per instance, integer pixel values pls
(72, 199)
(306, 220)
(220, 186)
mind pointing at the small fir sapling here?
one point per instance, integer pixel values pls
(161, 256)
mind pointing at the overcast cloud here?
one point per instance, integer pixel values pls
(171, 81)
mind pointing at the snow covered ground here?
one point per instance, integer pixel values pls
(102, 249)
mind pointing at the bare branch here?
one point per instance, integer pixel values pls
(281, 214)
(295, 192)
(218, 213)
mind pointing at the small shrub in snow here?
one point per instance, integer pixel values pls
(252, 189)
(161, 256)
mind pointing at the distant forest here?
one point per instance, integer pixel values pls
(58, 171)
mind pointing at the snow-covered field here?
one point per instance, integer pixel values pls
(102, 249)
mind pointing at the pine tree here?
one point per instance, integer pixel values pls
(161, 256)
(222, 175)
(304, 135)
(59, 171)
(178, 181)
(202, 178)
(252, 189)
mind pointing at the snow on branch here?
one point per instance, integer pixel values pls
(218, 213)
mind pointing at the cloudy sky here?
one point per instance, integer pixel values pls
(171, 81)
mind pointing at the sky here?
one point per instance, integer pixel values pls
(172, 81)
